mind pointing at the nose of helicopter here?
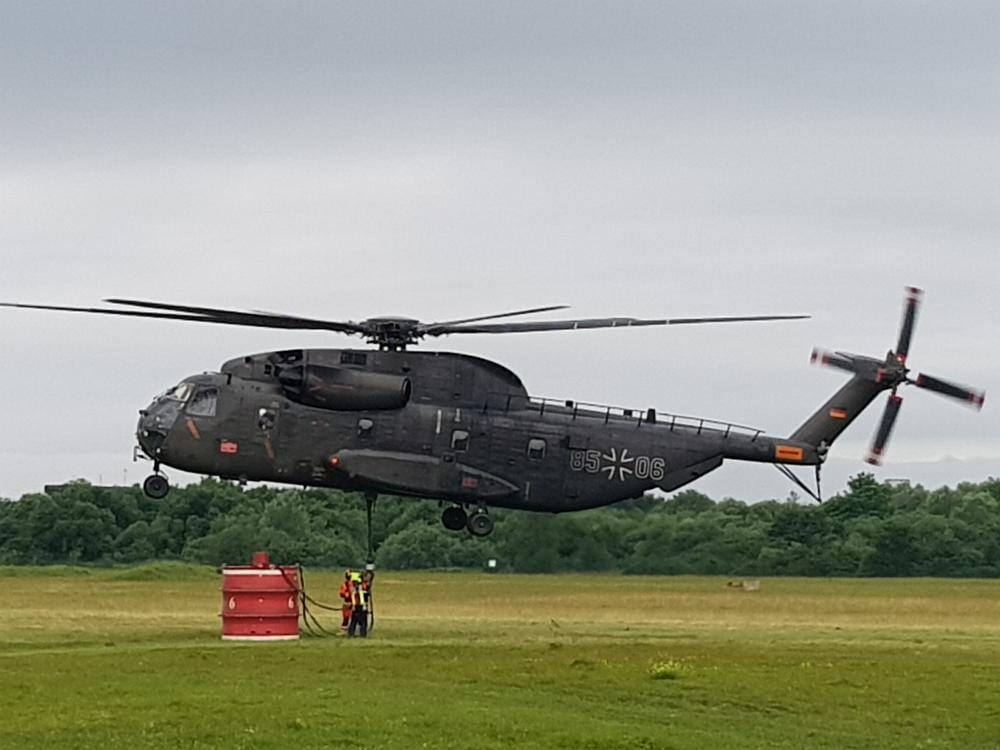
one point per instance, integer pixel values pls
(156, 421)
(150, 433)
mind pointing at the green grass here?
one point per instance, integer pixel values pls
(131, 658)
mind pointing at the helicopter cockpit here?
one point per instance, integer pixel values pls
(196, 394)
(156, 419)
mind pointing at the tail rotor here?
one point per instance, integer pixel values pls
(892, 372)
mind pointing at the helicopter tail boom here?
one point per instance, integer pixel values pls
(837, 413)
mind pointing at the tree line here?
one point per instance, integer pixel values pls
(870, 529)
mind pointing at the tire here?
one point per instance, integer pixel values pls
(480, 524)
(156, 486)
(454, 518)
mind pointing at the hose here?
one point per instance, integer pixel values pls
(305, 600)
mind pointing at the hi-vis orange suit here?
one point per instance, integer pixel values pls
(346, 604)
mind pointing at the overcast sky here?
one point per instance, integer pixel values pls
(442, 160)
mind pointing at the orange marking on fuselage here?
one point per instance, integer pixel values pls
(788, 453)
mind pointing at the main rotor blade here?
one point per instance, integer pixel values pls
(257, 319)
(971, 396)
(909, 318)
(884, 429)
(587, 323)
(425, 327)
(232, 318)
(103, 311)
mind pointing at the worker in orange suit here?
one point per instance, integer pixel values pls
(346, 600)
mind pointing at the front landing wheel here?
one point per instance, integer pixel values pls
(156, 486)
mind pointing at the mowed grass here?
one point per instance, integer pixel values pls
(133, 659)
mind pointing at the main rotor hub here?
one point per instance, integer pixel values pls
(391, 333)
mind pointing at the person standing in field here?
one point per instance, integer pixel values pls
(346, 601)
(367, 578)
(359, 609)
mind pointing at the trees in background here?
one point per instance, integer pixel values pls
(870, 529)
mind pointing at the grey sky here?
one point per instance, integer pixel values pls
(447, 159)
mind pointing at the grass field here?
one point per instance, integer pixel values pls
(132, 659)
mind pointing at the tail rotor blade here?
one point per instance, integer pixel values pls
(833, 359)
(884, 430)
(909, 318)
(973, 397)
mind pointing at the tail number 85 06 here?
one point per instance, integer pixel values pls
(618, 464)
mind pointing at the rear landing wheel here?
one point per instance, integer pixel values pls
(454, 518)
(480, 523)
(156, 486)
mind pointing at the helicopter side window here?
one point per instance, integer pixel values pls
(203, 403)
(459, 440)
(536, 449)
(353, 358)
(266, 417)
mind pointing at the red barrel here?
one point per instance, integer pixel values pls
(260, 602)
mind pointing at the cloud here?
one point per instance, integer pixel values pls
(448, 159)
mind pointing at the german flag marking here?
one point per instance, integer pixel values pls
(838, 413)
(788, 453)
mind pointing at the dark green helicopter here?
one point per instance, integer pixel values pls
(462, 429)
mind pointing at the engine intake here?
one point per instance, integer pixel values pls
(341, 389)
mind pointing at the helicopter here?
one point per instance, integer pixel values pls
(464, 430)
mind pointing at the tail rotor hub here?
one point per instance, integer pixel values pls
(893, 373)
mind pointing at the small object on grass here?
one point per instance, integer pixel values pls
(744, 585)
(670, 669)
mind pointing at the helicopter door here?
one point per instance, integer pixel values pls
(535, 454)
(452, 442)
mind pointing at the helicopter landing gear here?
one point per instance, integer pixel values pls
(156, 486)
(454, 518)
(480, 523)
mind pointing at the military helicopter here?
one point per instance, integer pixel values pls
(464, 430)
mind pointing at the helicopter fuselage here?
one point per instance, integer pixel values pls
(462, 429)
(433, 425)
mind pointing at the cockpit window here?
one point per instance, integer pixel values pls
(203, 403)
(179, 393)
